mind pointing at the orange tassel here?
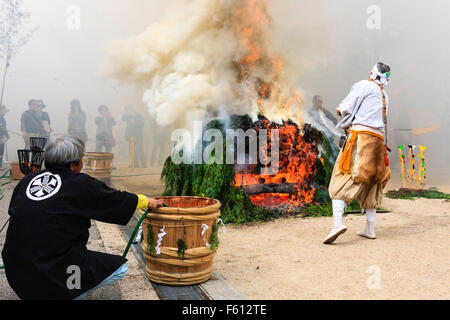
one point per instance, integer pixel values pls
(346, 159)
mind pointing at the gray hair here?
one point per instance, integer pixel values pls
(383, 68)
(64, 151)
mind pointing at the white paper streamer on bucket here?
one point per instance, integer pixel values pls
(160, 239)
(205, 227)
(220, 221)
(95, 165)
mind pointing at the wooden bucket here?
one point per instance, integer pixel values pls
(16, 174)
(185, 219)
(98, 165)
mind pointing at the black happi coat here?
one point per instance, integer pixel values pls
(51, 214)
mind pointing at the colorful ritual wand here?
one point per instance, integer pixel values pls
(421, 177)
(402, 165)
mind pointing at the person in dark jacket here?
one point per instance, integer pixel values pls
(45, 119)
(77, 121)
(4, 135)
(105, 122)
(134, 129)
(45, 253)
(31, 123)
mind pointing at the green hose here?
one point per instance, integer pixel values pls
(133, 235)
(4, 176)
(136, 229)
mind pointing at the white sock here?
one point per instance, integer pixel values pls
(370, 215)
(338, 211)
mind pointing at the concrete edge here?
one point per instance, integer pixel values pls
(217, 288)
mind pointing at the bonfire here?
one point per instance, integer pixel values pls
(220, 67)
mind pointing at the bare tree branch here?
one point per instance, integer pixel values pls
(13, 35)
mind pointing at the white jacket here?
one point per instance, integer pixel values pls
(363, 106)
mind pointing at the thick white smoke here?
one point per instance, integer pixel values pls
(207, 59)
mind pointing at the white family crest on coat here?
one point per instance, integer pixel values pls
(44, 186)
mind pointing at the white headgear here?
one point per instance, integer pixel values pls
(384, 77)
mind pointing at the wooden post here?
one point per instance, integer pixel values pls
(132, 152)
(424, 176)
(402, 166)
(411, 167)
(421, 169)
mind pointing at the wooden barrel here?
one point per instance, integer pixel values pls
(16, 174)
(188, 222)
(98, 165)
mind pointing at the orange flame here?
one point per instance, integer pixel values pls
(297, 157)
(297, 167)
(251, 22)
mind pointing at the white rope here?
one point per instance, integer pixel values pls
(160, 239)
(205, 227)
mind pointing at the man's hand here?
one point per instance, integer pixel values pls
(338, 113)
(154, 204)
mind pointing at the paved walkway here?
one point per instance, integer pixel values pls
(6, 293)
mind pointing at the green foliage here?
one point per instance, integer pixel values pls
(182, 247)
(325, 166)
(326, 209)
(181, 243)
(214, 241)
(213, 181)
(150, 240)
(407, 194)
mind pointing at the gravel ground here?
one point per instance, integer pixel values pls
(285, 259)
(6, 293)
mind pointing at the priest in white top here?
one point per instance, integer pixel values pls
(362, 168)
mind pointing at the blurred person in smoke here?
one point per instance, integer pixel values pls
(362, 169)
(135, 129)
(45, 118)
(319, 113)
(45, 253)
(31, 123)
(105, 122)
(161, 143)
(324, 121)
(77, 121)
(4, 136)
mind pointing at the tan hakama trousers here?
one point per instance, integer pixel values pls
(368, 175)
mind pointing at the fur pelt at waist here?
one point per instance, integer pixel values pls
(368, 160)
